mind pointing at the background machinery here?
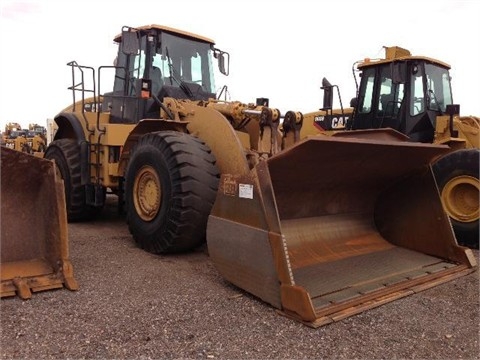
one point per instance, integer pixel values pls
(318, 241)
(413, 95)
(9, 128)
(32, 140)
(14, 137)
(37, 138)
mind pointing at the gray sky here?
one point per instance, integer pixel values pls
(279, 49)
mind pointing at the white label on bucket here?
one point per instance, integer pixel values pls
(245, 191)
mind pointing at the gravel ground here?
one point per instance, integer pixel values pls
(135, 305)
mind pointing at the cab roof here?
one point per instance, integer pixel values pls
(395, 53)
(170, 30)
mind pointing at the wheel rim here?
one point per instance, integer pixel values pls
(147, 193)
(460, 198)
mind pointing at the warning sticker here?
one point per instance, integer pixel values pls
(245, 191)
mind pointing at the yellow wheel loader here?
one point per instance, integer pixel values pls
(17, 140)
(30, 141)
(9, 128)
(37, 138)
(34, 246)
(413, 95)
(320, 228)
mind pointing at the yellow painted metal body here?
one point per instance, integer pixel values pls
(34, 246)
(236, 150)
(396, 53)
(467, 130)
(36, 143)
(102, 137)
(312, 122)
(19, 143)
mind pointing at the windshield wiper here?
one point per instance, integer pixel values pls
(430, 91)
(180, 83)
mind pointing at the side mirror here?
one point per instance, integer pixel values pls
(223, 61)
(130, 42)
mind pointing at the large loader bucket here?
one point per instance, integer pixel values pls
(335, 226)
(34, 240)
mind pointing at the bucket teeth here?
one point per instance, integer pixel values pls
(23, 290)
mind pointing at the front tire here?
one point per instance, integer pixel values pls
(457, 176)
(171, 184)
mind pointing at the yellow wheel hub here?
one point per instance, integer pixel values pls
(460, 198)
(147, 193)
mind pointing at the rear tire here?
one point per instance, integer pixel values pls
(171, 184)
(457, 176)
(66, 153)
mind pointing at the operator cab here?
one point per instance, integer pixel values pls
(17, 133)
(405, 93)
(155, 62)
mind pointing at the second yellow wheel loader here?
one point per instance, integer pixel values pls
(413, 95)
(318, 239)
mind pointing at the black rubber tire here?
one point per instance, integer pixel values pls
(187, 181)
(460, 163)
(66, 153)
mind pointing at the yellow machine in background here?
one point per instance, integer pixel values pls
(320, 240)
(32, 140)
(10, 127)
(36, 142)
(17, 140)
(14, 137)
(37, 138)
(413, 95)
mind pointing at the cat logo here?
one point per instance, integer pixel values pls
(331, 122)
